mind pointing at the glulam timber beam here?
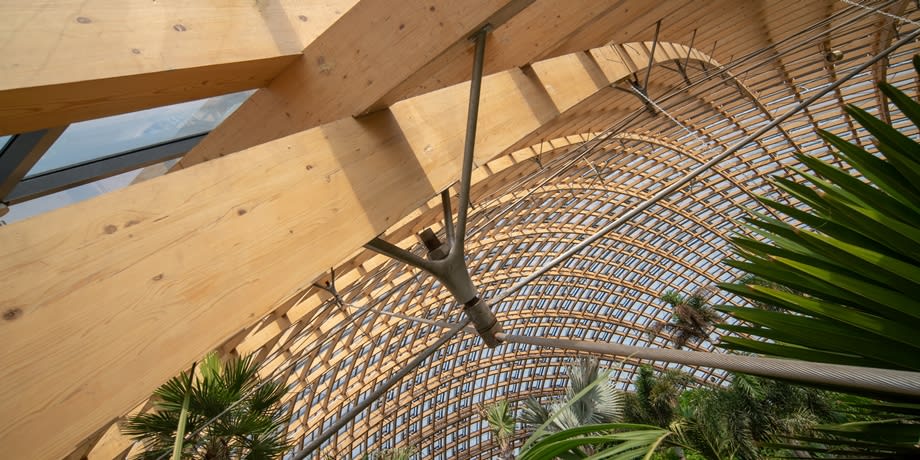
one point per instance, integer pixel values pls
(66, 60)
(374, 47)
(143, 281)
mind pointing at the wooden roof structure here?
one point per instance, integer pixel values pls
(354, 129)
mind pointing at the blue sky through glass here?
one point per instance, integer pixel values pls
(94, 139)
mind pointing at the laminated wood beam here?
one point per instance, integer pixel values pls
(143, 281)
(67, 60)
(374, 47)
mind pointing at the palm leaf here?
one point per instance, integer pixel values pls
(629, 441)
(849, 271)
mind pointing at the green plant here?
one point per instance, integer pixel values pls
(398, 453)
(552, 439)
(601, 401)
(501, 424)
(738, 420)
(849, 261)
(248, 422)
(692, 317)
(656, 398)
(615, 441)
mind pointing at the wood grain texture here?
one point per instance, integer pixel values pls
(143, 281)
(69, 60)
(374, 47)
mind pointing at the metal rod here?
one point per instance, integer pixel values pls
(394, 379)
(875, 380)
(395, 252)
(864, 378)
(448, 218)
(690, 49)
(416, 319)
(472, 116)
(651, 57)
(665, 192)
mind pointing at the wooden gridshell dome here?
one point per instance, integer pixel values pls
(355, 128)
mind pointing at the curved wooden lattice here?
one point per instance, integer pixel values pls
(720, 71)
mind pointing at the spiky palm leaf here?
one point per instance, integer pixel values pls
(849, 262)
(251, 429)
(398, 453)
(501, 425)
(656, 397)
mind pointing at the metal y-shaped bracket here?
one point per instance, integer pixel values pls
(446, 261)
(339, 303)
(330, 288)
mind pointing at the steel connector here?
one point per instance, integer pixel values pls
(484, 320)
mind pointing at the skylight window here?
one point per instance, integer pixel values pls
(94, 139)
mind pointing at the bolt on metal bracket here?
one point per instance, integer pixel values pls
(446, 260)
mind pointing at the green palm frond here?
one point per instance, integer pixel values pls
(842, 276)
(501, 424)
(656, 397)
(614, 441)
(533, 413)
(590, 398)
(249, 423)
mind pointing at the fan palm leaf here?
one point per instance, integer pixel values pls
(600, 401)
(232, 413)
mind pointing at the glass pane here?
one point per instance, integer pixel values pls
(3, 141)
(93, 139)
(63, 198)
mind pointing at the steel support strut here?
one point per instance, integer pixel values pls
(446, 260)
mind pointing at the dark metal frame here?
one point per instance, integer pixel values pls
(83, 173)
(19, 155)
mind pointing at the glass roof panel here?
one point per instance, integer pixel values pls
(27, 209)
(94, 139)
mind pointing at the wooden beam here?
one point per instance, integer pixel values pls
(112, 444)
(374, 47)
(514, 44)
(104, 300)
(67, 60)
(147, 279)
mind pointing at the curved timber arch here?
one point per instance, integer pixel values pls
(181, 237)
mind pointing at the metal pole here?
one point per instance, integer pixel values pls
(471, 118)
(665, 192)
(876, 380)
(863, 378)
(394, 379)
(449, 265)
(651, 57)
(448, 218)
